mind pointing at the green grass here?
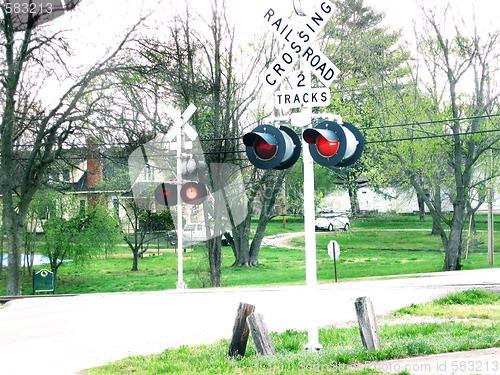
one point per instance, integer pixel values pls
(342, 348)
(470, 304)
(470, 297)
(365, 252)
(392, 220)
(275, 226)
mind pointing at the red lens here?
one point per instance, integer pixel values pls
(191, 193)
(326, 147)
(166, 193)
(264, 150)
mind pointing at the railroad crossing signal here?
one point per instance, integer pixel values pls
(268, 147)
(192, 192)
(332, 144)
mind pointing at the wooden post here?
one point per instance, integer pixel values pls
(260, 334)
(367, 323)
(238, 345)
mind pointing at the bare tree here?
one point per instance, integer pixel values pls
(452, 100)
(33, 136)
(197, 63)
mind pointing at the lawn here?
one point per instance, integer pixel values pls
(383, 245)
(342, 351)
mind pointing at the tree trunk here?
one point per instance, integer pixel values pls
(471, 214)
(14, 230)
(421, 207)
(241, 234)
(454, 249)
(241, 244)
(135, 246)
(14, 219)
(215, 260)
(270, 192)
(436, 221)
(434, 209)
(135, 261)
(257, 240)
(2, 237)
(352, 187)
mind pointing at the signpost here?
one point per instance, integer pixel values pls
(334, 253)
(298, 38)
(180, 130)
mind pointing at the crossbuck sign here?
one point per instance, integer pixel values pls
(298, 39)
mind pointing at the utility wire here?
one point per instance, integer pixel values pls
(428, 122)
(118, 144)
(433, 136)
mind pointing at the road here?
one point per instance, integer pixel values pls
(64, 335)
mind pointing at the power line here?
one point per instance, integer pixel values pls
(428, 122)
(220, 139)
(434, 136)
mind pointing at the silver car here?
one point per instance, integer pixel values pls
(330, 222)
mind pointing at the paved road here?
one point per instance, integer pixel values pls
(65, 335)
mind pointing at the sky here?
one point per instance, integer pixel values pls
(97, 25)
(98, 21)
(401, 14)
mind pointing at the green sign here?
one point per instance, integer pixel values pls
(44, 281)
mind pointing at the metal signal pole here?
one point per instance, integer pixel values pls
(180, 121)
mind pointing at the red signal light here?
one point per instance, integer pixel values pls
(264, 150)
(334, 145)
(193, 193)
(326, 147)
(268, 147)
(166, 194)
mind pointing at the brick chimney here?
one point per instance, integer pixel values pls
(94, 165)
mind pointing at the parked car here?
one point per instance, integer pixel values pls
(330, 222)
(196, 232)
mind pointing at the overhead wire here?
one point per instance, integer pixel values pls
(430, 122)
(365, 128)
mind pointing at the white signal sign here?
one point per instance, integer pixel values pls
(301, 95)
(298, 42)
(319, 97)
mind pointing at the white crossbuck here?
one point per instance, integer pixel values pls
(298, 41)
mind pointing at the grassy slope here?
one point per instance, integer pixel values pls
(376, 246)
(342, 348)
